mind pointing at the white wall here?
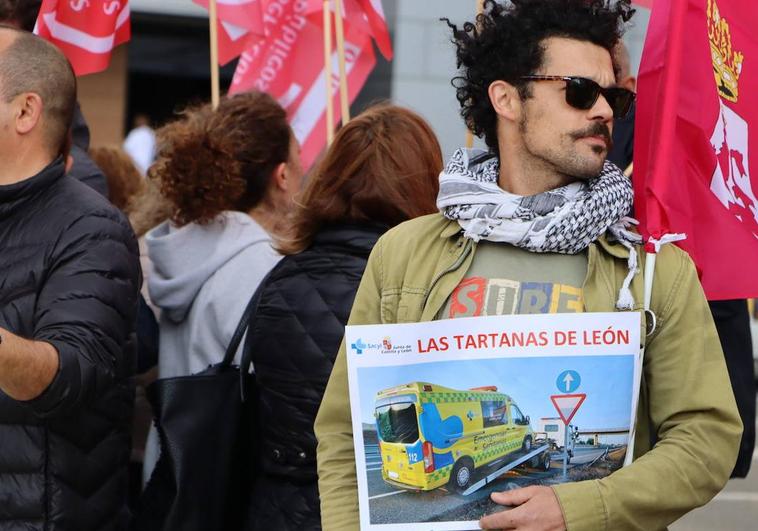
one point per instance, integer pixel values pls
(424, 64)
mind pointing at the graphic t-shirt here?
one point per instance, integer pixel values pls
(506, 280)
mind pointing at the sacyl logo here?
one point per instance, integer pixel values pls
(358, 346)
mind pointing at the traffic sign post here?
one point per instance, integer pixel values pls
(565, 449)
(567, 406)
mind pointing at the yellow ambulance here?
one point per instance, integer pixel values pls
(430, 436)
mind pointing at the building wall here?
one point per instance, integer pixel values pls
(102, 97)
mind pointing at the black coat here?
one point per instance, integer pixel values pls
(84, 168)
(296, 334)
(70, 277)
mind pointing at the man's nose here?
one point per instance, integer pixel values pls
(602, 110)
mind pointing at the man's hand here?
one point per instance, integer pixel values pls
(535, 509)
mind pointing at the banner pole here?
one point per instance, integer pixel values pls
(469, 134)
(328, 72)
(340, 30)
(213, 22)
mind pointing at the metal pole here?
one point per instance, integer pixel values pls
(565, 448)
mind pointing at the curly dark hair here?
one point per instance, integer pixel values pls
(505, 44)
(210, 160)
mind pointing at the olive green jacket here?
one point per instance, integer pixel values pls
(688, 428)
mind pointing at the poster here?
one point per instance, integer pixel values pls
(446, 412)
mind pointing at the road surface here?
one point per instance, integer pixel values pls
(392, 505)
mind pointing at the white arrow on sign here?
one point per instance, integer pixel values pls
(567, 405)
(567, 380)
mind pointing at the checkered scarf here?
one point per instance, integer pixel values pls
(565, 220)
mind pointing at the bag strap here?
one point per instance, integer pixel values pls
(245, 322)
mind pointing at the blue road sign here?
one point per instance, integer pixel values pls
(568, 381)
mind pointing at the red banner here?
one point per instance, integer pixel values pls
(696, 103)
(289, 65)
(85, 30)
(240, 25)
(378, 24)
(366, 16)
(242, 13)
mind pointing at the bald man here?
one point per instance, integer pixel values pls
(22, 14)
(68, 297)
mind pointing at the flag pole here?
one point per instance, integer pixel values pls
(213, 21)
(340, 30)
(469, 134)
(328, 72)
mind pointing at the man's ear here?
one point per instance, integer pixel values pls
(629, 83)
(505, 100)
(28, 112)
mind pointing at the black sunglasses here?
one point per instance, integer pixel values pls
(582, 93)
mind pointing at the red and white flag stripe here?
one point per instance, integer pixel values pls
(85, 30)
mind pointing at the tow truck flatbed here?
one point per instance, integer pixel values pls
(510, 466)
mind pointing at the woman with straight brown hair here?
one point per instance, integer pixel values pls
(381, 170)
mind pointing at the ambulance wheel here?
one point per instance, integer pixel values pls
(536, 461)
(463, 471)
(527, 446)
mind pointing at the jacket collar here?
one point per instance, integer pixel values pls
(13, 196)
(360, 237)
(451, 229)
(611, 248)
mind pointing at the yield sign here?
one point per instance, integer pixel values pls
(567, 405)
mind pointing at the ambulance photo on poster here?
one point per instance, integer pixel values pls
(447, 412)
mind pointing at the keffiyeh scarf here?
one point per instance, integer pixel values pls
(565, 220)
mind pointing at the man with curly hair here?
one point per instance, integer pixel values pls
(536, 224)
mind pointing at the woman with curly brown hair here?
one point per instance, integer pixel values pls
(230, 175)
(381, 170)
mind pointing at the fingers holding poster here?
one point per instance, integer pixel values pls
(438, 430)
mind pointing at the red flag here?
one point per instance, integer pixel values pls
(242, 13)
(289, 65)
(85, 30)
(378, 23)
(691, 152)
(240, 25)
(364, 15)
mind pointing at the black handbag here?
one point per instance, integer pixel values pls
(207, 463)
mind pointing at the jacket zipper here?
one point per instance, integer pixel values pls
(455, 265)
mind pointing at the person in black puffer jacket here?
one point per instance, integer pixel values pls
(381, 170)
(68, 301)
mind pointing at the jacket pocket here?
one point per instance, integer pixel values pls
(402, 305)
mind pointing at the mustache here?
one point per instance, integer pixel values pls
(596, 129)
